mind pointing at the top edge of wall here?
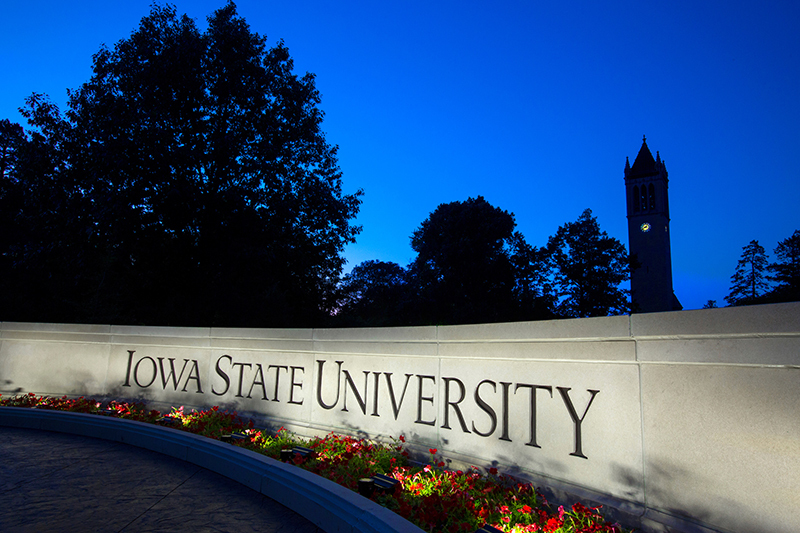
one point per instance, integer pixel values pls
(398, 334)
(762, 319)
(783, 318)
(571, 328)
(55, 328)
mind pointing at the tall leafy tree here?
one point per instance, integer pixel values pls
(471, 266)
(533, 285)
(42, 219)
(12, 137)
(12, 142)
(463, 272)
(749, 281)
(588, 267)
(374, 293)
(786, 270)
(207, 191)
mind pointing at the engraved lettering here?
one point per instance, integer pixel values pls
(223, 375)
(564, 391)
(486, 409)
(320, 365)
(421, 398)
(533, 388)
(294, 384)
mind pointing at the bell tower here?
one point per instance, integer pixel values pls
(648, 233)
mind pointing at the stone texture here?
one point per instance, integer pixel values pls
(722, 444)
(696, 414)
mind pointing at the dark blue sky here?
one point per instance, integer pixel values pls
(533, 105)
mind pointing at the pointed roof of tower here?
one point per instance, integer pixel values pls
(644, 165)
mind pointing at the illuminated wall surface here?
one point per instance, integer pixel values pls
(680, 418)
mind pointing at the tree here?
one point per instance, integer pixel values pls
(533, 287)
(374, 293)
(202, 188)
(588, 266)
(41, 222)
(463, 271)
(470, 267)
(12, 136)
(12, 141)
(786, 270)
(749, 281)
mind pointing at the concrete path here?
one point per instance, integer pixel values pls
(68, 483)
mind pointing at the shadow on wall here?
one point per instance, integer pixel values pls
(671, 480)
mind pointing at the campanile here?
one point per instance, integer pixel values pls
(648, 233)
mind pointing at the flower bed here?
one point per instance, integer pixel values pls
(433, 498)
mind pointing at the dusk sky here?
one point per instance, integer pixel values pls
(533, 105)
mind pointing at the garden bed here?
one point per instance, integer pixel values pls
(430, 496)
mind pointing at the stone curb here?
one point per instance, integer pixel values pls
(324, 503)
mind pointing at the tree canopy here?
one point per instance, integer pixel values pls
(189, 183)
(375, 293)
(749, 281)
(472, 266)
(462, 272)
(786, 270)
(756, 281)
(588, 266)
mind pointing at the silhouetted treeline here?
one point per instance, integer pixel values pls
(471, 266)
(757, 281)
(188, 183)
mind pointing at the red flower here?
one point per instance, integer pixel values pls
(433, 451)
(402, 438)
(525, 509)
(552, 524)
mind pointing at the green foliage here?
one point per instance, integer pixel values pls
(345, 459)
(589, 267)
(31, 400)
(271, 445)
(133, 411)
(189, 184)
(212, 423)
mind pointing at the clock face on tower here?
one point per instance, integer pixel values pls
(645, 227)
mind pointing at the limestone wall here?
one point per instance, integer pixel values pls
(689, 419)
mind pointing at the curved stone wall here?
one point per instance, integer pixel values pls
(322, 502)
(686, 419)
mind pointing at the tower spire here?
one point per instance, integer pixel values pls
(648, 232)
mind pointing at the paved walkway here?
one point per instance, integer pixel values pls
(68, 483)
